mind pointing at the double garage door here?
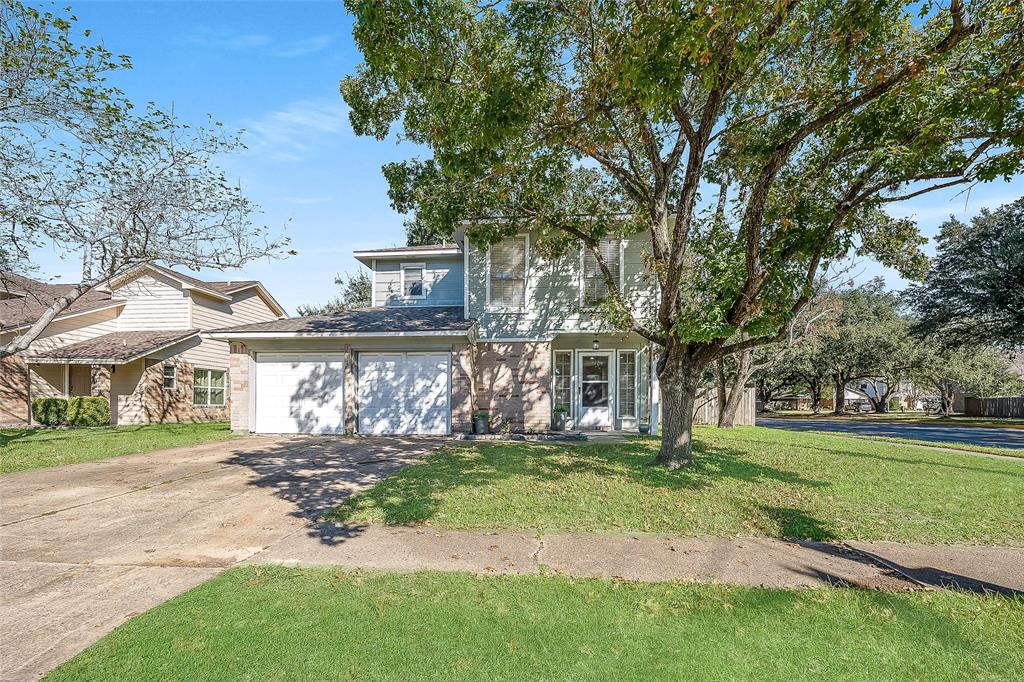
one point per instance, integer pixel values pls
(398, 393)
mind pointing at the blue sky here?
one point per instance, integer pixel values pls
(272, 69)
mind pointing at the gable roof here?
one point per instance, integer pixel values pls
(389, 321)
(116, 348)
(34, 297)
(221, 291)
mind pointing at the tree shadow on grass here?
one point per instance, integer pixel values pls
(415, 495)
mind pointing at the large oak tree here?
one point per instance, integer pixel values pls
(587, 119)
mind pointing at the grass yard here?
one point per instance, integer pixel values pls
(22, 449)
(746, 481)
(273, 623)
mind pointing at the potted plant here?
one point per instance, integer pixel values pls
(481, 422)
(558, 416)
(645, 427)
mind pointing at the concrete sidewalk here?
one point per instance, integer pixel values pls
(758, 562)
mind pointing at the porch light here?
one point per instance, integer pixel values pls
(595, 344)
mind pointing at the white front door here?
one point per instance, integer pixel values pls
(403, 393)
(595, 373)
(300, 393)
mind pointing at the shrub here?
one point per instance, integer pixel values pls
(50, 411)
(88, 411)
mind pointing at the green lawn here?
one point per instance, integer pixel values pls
(272, 623)
(22, 449)
(745, 481)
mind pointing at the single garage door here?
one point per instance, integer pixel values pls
(300, 393)
(403, 393)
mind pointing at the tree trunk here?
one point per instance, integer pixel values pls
(678, 380)
(816, 389)
(720, 389)
(727, 415)
(840, 400)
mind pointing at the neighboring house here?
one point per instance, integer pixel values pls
(139, 341)
(453, 329)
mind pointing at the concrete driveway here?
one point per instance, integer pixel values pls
(84, 547)
(993, 437)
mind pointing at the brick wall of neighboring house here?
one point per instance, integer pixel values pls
(14, 409)
(239, 377)
(463, 375)
(175, 405)
(513, 383)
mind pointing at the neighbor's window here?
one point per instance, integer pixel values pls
(209, 387)
(563, 379)
(507, 280)
(170, 376)
(627, 384)
(595, 288)
(412, 280)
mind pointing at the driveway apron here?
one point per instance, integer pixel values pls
(85, 547)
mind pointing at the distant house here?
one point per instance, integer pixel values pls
(139, 341)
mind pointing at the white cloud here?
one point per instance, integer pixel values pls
(290, 134)
(226, 38)
(306, 46)
(233, 40)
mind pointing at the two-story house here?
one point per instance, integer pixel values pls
(453, 329)
(139, 341)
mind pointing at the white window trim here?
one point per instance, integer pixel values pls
(174, 377)
(526, 276)
(582, 279)
(423, 279)
(572, 378)
(373, 282)
(209, 387)
(636, 385)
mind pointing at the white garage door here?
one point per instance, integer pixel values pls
(403, 393)
(300, 393)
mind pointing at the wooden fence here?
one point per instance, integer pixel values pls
(706, 408)
(994, 407)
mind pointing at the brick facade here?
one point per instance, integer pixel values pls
(160, 404)
(463, 380)
(238, 375)
(513, 384)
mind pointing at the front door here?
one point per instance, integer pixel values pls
(595, 390)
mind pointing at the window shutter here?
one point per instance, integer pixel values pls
(594, 286)
(508, 273)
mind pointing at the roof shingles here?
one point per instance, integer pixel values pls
(115, 348)
(366, 321)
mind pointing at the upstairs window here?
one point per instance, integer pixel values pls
(412, 280)
(506, 283)
(208, 388)
(595, 288)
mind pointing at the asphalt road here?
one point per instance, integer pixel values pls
(945, 433)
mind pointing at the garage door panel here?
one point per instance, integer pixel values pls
(300, 393)
(403, 393)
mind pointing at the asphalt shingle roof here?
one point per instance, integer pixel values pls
(367, 321)
(115, 348)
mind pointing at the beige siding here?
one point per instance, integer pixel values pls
(246, 307)
(208, 354)
(153, 302)
(126, 394)
(72, 330)
(46, 381)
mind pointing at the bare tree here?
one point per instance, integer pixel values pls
(82, 173)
